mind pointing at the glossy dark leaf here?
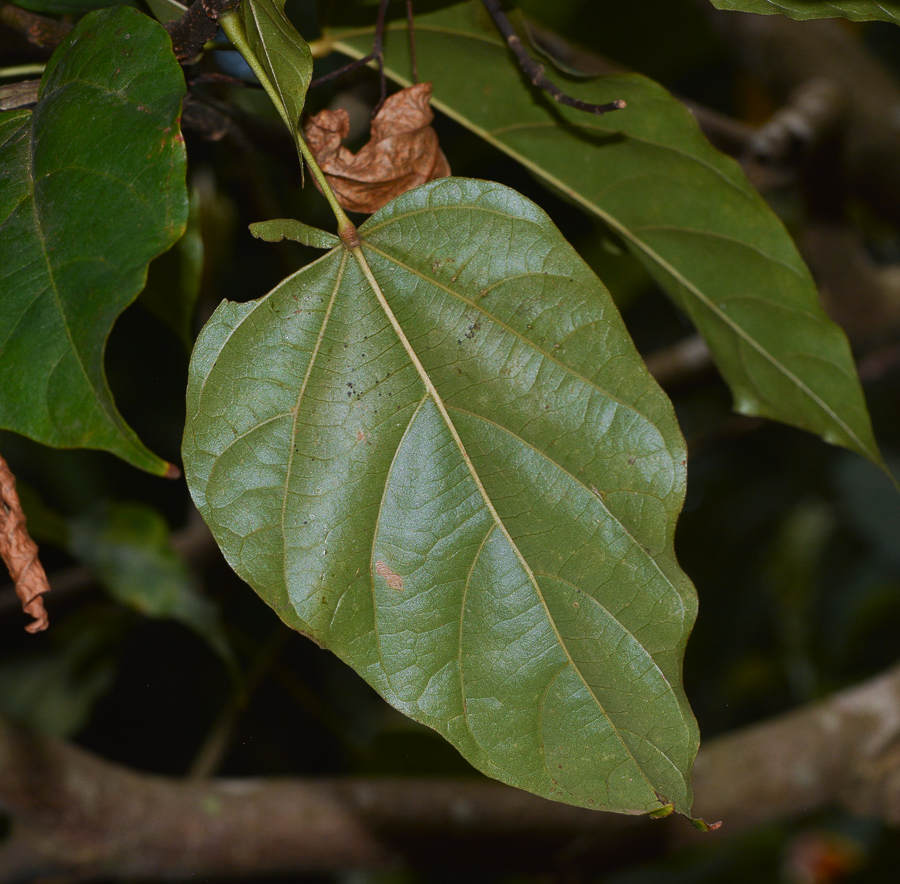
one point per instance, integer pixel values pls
(93, 188)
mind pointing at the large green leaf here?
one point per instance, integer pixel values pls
(442, 458)
(685, 210)
(93, 188)
(855, 10)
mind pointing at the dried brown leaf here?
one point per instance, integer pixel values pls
(402, 153)
(20, 552)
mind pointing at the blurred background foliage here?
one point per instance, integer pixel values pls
(158, 657)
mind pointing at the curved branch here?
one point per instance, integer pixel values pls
(76, 814)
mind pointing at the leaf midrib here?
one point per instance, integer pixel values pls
(458, 442)
(475, 306)
(99, 395)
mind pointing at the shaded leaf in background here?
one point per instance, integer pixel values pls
(282, 52)
(93, 188)
(174, 278)
(54, 691)
(684, 210)
(402, 152)
(456, 473)
(855, 10)
(78, 7)
(127, 547)
(872, 507)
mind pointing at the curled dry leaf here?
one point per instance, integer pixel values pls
(402, 153)
(20, 552)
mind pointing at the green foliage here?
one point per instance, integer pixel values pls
(280, 54)
(287, 228)
(437, 454)
(855, 10)
(432, 468)
(682, 208)
(77, 7)
(127, 547)
(54, 690)
(84, 208)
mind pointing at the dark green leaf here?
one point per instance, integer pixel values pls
(78, 7)
(442, 458)
(685, 210)
(281, 51)
(93, 188)
(175, 277)
(166, 10)
(855, 10)
(127, 546)
(286, 228)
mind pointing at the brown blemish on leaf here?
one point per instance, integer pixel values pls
(20, 552)
(394, 580)
(402, 153)
(360, 436)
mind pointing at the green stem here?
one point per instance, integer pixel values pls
(22, 70)
(234, 30)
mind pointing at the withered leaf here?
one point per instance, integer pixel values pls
(20, 552)
(402, 153)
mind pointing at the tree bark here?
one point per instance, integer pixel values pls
(73, 814)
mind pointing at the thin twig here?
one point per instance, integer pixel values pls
(196, 27)
(376, 55)
(410, 25)
(208, 760)
(535, 72)
(39, 30)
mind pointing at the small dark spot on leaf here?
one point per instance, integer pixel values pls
(631, 461)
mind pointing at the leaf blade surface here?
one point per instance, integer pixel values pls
(95, 189)
(444, 461)
(855, 10)
(684, 210)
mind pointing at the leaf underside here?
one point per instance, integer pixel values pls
(456, 474)
(282, 52)
(683, 209)
(855, 10)
(93, 189)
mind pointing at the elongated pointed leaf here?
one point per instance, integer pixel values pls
(443, 459)
(855, 10)
(685, 210)
(93, 188)
(287, 228)
(280, 50)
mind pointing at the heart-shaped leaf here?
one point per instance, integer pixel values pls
(93, 189)
(441, 457)
(855, 10)
(683, 209)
